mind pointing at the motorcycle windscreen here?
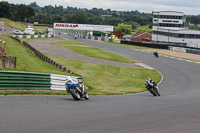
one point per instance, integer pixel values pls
(71, 85)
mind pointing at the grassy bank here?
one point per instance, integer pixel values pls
(26, 60)
(41, 29)
(106, 79)
(13, 24)
(92, 51)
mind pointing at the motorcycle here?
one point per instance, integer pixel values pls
(152, 87)
(155, 53)
(75, 86)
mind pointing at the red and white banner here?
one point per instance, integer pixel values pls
(83, 27)
(117, 40)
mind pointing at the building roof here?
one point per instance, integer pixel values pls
(141, 33)
(174, 13)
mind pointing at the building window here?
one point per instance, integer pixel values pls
(195, 36)
(168, 17)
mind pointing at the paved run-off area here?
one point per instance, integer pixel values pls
(47, 47)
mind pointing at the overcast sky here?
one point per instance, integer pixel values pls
(189, 7)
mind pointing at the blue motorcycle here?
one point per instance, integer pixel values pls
(75, 86)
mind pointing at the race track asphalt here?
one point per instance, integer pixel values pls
(175, 111)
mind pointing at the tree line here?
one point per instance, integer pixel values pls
(16, 12)
(51, 14)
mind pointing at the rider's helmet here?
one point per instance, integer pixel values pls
(155, 52)
(148, 79)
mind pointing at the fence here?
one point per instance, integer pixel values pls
(44, 57)
(186, 50)
(7, 61)
(193, 51)
(15, 80)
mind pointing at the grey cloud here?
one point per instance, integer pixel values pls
(186, 6)
(179, 3)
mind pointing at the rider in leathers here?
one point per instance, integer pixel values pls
(149, 83)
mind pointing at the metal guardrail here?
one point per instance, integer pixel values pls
(32, 36)
(24, 80)
(186, 50)
(16, 80)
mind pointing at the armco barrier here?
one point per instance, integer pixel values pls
(24, 80)
(32, 36)
(186, 50)
(192, 51)
(15, 80)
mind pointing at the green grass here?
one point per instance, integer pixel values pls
(101, 79)
(110, 80)
(40, 28)
(21, 26)
(126, 45)
(26, 60)
(13, 24)
(92, 52)
(62, 31)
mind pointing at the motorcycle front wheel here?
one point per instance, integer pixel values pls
(75, 94)
(153, 92)
(158, 94)
(86, 96)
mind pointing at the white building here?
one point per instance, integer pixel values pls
(171, 27)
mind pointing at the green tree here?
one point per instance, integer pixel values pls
(143, 29)
(124, 28)
(58, 19)
(4, 10)
(30, 12)
(80, 18)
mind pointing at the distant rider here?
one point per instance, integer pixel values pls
(155, 53)
(149, 83)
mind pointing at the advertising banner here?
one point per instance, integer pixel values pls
(83, 27)
(117, 40)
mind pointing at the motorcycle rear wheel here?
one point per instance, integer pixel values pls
(75, 94)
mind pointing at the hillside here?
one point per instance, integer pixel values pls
(26, 60)
(13, 24)
(21, 26)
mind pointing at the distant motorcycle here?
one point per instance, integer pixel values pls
(75, 86)
(152, 87)
(155, 53)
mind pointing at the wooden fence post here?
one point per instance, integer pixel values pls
(3, 61)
